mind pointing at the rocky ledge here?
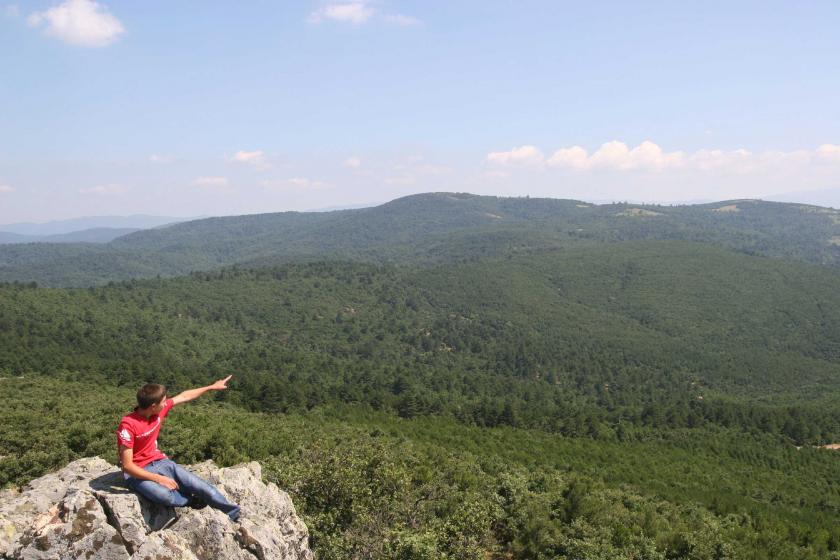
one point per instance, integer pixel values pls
(85, 511)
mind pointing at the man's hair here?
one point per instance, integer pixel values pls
(149, 394)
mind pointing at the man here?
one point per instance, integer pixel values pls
(147, 470)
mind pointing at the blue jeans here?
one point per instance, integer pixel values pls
(189, 485)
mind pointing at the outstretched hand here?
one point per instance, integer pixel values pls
(221, 384)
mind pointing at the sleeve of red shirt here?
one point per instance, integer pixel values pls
(125, 435)
(167, 406)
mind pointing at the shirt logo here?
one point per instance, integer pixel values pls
(146, 433)
(125, 435)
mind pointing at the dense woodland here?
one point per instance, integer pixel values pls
(645, 386)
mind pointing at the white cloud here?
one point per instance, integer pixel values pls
(648, 172)
(524, 155)
(304, 183)
(421, 167)
(829, 153)
(220, 184)
(401, 180)
(720, 160)
(348, 12)
(105, 190)
(257, 157)
(649, 157)
(574, 157)
(353, 161)
(495, 174)
(79, 22)
(414, 169)
(359, 12)
(617, 155)
(295, 183)
(161, 158)
(402, 20)
(6, 189)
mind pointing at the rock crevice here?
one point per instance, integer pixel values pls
(85, 511)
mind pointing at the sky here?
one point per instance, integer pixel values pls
(220, 108)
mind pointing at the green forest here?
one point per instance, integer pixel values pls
(618, 384)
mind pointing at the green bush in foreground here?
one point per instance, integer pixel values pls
(374, 486)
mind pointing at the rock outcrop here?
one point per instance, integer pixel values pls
(85, 511)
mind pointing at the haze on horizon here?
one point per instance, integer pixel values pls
(192, 109)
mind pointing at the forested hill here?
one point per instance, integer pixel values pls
(584, 401)
(472, 378)
(426, 229)
(665, 334)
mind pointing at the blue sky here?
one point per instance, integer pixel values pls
(197, 108)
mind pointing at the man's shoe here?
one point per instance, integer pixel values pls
(196, 503)
(169, 523)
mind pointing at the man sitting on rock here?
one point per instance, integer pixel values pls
(147, 470)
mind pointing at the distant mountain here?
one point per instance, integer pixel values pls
(343, 207)
(94, 235)
(6, 237)
(58, 227)
(428, 229)
(822, 197)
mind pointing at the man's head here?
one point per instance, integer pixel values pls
(151, 396)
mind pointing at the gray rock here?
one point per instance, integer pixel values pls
(79, 530)
(36, 505)
(286, 537)
(165, 545)
(85, 511)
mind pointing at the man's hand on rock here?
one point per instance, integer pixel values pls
(221, 384)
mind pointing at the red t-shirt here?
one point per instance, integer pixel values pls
(140, 434)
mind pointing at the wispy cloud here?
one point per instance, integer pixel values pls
(405, 179)
(415, 169)
(255, 158)
(79, 22)
(295, 183)
(161, 158)
(829, 153)
(358, 12)
(402, 20)
(105, 190)
(6, 188)
(353, 162)
(11, 11)
(346, 12)
(220, 184)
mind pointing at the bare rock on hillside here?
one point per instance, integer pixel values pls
(85, 511)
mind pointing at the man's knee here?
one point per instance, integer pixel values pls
(189, 480)
(176, 499)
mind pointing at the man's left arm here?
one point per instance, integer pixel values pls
(192, 394)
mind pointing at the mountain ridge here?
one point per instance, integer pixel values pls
(92, 235)
(69, 225)
(427, 228)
